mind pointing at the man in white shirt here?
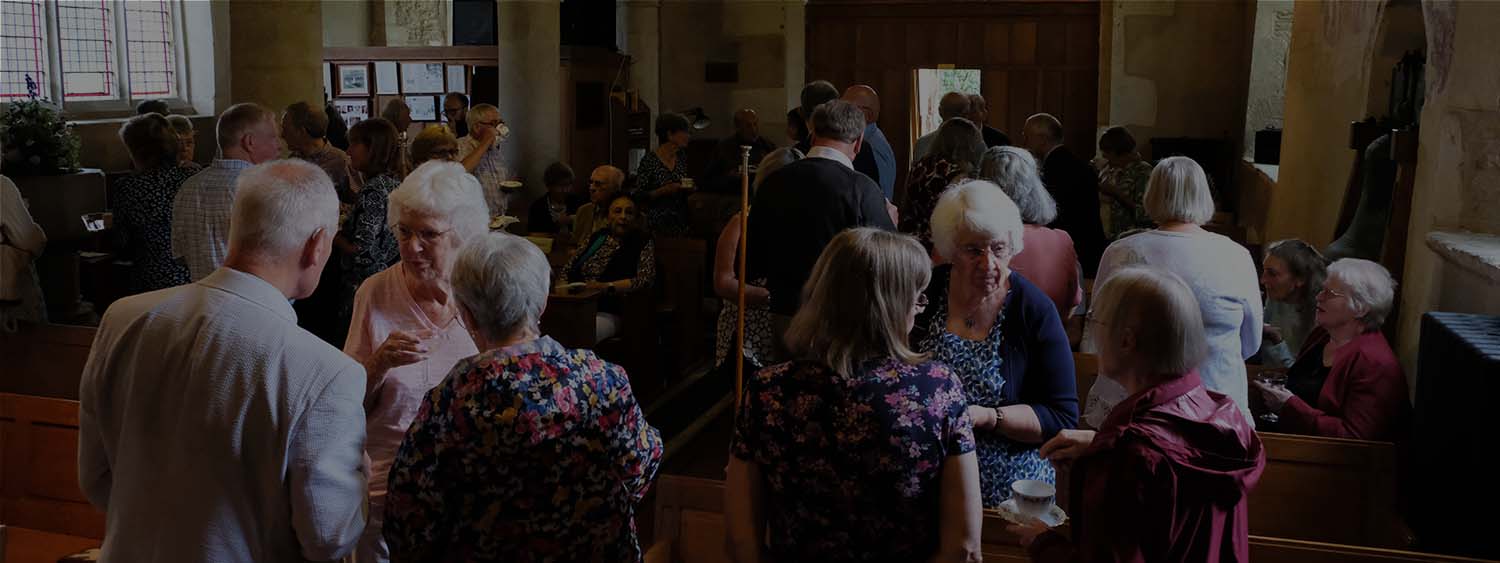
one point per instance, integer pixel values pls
(480, 154)
(247, 135)
(211, 427)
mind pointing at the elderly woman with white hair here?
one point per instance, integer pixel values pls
(1167, 476)
(760, 346)
(1217, 269)
(1346, 383)
(1000, 334)
(480, 153)
(406, 328)
(1049, 260)
(528, 451)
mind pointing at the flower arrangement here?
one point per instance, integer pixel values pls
(38, 140)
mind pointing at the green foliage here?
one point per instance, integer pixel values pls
(38, 140)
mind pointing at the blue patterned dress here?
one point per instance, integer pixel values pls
(982, 367)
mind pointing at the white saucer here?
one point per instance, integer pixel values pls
(1052, 519)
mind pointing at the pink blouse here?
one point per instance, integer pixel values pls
(1049, 262)
(382, 306)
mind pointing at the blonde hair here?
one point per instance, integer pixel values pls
(859, 300)
(1163, 313)
(1178, 193)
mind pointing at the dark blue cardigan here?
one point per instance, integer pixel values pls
(1038, 360)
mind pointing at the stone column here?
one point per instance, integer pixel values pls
(643, 44)
(276, 52)
(531, 87)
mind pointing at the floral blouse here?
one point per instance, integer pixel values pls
(368, 228)
(852, 465)
(929, 178)
(667, 215)
(1131, 180)
(142, 204)
(532, 452)
(596, 263)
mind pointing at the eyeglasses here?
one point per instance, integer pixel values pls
(426, 236)
(998, 250)
(1092, 317)
(495, 123)
(451, 111)
(1330, 293)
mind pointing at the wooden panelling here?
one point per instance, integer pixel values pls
(1023, 43)
(996, 44)
(39, 467)
(45, 360)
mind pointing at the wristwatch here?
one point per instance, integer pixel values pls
(999, 417)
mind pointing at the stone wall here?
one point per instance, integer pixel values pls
(1267, 96)
(1175, 68)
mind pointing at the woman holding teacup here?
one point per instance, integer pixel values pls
(1166, 477)
(406, 328)
(662, 180)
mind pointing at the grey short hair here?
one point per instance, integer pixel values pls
(279, 205)
(1178, 193)
(774, 161)
(479, 113)
(1162, 311)
(442, 189)
(1372, 290)
(1015, 171)
(977, 207)
(501, 281)
(614, 176)
(838, 120)
(1049, 123)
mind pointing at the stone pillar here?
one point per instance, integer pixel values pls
(643, 44)
(794, 24)
(531, 87)
(1267, 97)
(276, 52)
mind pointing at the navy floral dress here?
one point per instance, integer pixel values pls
(532, 452)
(852, 464)
(1025, 359)
(142, 204)
(368, 227)
(668, 215)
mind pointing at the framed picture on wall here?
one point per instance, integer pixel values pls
(352, 80)
(353, 110)
(423, 108)
(386, 79)
(421, 78)
(458, 79)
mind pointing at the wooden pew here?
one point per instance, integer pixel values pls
(45, 360)
(690, 529)
(40, 504)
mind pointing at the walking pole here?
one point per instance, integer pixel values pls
(739, 338)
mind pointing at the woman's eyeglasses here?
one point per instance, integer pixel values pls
(426, 236)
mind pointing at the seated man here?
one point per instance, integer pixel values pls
(210, 427)
(604, 183)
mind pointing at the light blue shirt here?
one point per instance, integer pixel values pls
(885, 159)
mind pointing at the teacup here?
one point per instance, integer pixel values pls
(1033, 498)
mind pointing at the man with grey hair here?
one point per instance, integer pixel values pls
(814, 94)
(1074, 186)
(979, 113)
(952, 104)
(211, 428)
(480, 154)
(801, 207)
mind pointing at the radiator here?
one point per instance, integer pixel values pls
(1454, 492)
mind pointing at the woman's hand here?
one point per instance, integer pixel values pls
(1275, 396)
(1272, 334)
(399, 349)
(984, 417)
(1067, 445)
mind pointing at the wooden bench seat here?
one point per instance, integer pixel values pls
(690, 529)
(45, 515)
(1314, 488)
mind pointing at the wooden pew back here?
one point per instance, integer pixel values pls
(45, 360)
(690, 529)
(1314, 488)
(39, 468)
